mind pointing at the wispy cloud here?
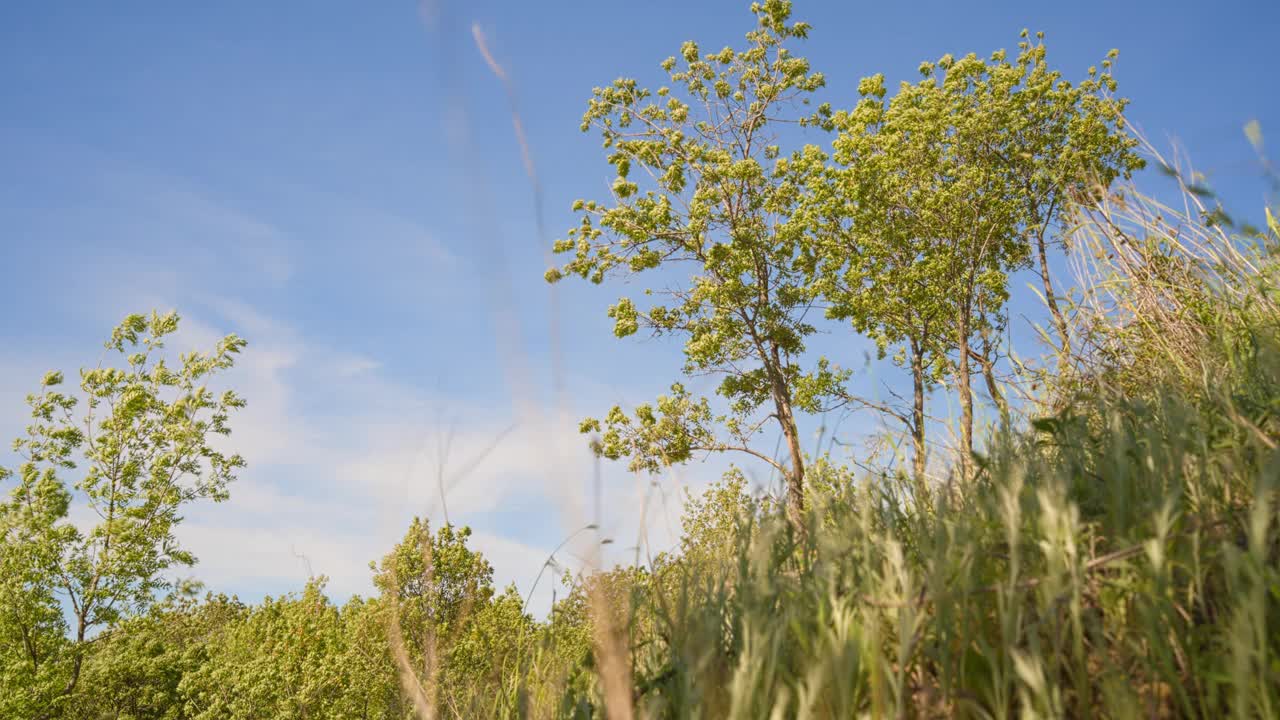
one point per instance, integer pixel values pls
(342, 447)
(341, 454)
(338, 487)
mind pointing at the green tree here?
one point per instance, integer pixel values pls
(716, 525)
(701, 188)
(1068, 146)
(880, 276)
(135, 670)
(144, 444)
(488, 650)
(932, 205)
(374, 686)
(285, 660)
(450, 633)
(943, 191)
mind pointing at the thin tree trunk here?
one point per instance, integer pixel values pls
(917, 410)
(76, 664)
(1059, 320)
(964, 381)
(31, 650)
(987, 360)
(787, 421)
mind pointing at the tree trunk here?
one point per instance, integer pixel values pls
(963, 380)
(987, 360)
(1059, 320)
(76, 664)
(787, 421)
(32, 652)
(917, 410)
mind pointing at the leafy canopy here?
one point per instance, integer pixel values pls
(142, 446)
(705, 203)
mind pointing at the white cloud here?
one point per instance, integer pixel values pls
(515, 562)
(356, 365)
(338, 488)
(340, 454)
(157, 204)
(333, 490)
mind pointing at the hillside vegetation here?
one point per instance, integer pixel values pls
(1106, 545)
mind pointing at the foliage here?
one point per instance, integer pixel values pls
(142, 667)
(909, 230)
(941, 192)
(144, 443)
(286, 659)
(1117, 558)
(701, 187)
(451, 634)
(1116, 555)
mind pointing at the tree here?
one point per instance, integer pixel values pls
(701, 187)
(716, 526)
(449, 632)
(932, 216)
(285, 659)
(1069, 146)
(488, 652)
(136, 669)
(941, 193)
(877, 274)
(145, 446)
(374, 690)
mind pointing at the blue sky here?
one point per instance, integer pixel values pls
(339, 183)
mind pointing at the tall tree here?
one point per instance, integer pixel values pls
(450, 632)
(145, 445)
(934, 227)
(943, 191)
(701, 188)
(876, 275)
